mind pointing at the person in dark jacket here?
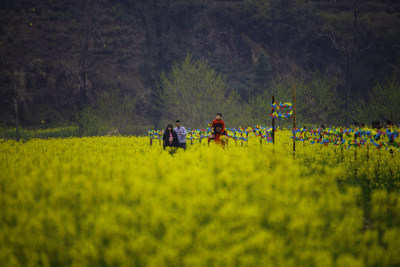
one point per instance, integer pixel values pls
(170, 138)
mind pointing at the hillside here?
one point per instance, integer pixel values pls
(60, 56)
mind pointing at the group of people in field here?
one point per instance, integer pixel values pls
(176, 137)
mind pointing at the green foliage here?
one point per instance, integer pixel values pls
(317, 100)
(110, 116)
(259, 109)
(193, 92)
(382, 102)
(263, 71)
(384, 99)
(26, 134)
(361, 112)
(235, 111)
(92, 122)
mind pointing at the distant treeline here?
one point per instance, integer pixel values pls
(106, 65)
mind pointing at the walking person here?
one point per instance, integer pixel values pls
(181, 132)
(170, 138)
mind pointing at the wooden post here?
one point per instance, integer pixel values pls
(16, 119)
(294, 119)
(273, 121)
(151, 141)
(341, 147)
(355, 149)
(191, 138)
(355, 154)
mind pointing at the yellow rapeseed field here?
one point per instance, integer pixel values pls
(116, 201)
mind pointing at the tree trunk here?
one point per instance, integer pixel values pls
(349, 76)
(85, 48)
(16, 119)
(350, 57)
(82, 99)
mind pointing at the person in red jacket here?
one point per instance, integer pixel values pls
(218, 126)
(218, 120)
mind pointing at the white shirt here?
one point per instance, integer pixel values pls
(181, 133)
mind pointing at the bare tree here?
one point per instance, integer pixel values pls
(19, 94)
(345, 34)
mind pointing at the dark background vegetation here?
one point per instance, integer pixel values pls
(98, 64)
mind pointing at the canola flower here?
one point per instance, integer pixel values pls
(116, 201)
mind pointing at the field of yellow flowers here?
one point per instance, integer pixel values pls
(116, 201)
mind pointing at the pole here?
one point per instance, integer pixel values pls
(294, 119)
(341, 146)
(273, 121)
(355, 149)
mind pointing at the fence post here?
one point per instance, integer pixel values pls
(355, 148)
(341, 147)
(273, 121)
(151, 141)
(294, 120)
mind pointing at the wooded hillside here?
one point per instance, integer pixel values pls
(61, 58)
